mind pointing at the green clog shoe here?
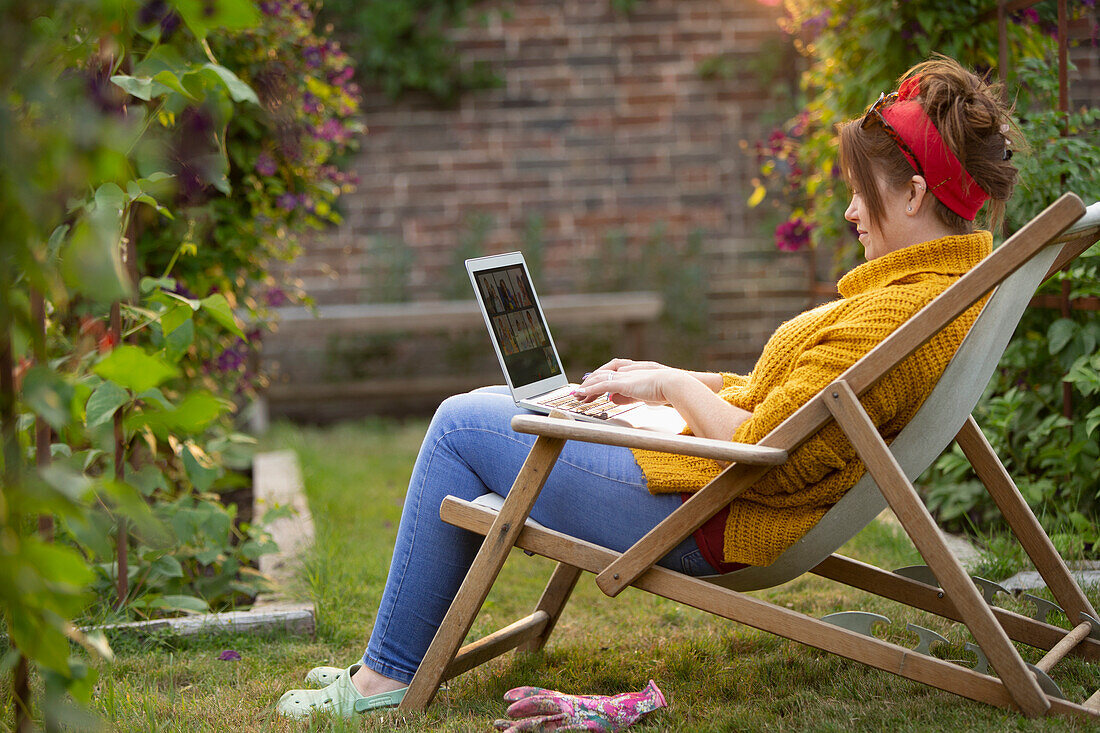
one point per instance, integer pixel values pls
(322, 676)
(339, 698)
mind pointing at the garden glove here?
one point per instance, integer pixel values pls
(536, 709)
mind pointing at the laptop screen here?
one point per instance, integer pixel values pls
(517, 324)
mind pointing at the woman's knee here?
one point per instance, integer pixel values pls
(492, 389)
(478, 409)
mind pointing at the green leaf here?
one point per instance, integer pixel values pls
(200, 469)
(49, 395)
(91, 259)
(175, 317)
(147, 479)
(168, 566)
(93, 532)
(145, 198)
(202, 16)
(58, 564)
(1060, 333)
(130, 367)
(218, 307)
(57, 238)
(110, 196)
(209, 556)
(187, 604)
(129, 502)
(149, 284)
(1092, 421)
(197, 410)
(146, 88)
(190, 417)
(65, 481)
(140, 87)
(104, 402)
(167, 80)
(155, 396)
(238, 90)
(179, 341)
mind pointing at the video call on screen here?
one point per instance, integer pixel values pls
(517, 326)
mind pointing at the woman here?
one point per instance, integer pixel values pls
(920, 164)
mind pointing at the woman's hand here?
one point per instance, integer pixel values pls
(712, 380)
(626, 381)
(692, 394)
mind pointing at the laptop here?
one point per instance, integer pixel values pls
(528, 357)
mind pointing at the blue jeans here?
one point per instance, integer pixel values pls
(595, 492)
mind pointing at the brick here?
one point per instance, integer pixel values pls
(602, 126)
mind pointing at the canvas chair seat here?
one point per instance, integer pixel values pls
(1012, 272)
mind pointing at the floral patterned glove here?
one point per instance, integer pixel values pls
(536, 709)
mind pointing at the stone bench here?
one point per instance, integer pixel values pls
(302, 333)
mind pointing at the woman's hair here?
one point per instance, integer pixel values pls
(974, 121)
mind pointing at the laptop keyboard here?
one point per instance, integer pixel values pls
(601, 407)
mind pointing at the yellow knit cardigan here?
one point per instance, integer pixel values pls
(802, 357)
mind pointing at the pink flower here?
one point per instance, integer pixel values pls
(793, 235)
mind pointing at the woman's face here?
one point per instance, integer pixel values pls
(878, 237)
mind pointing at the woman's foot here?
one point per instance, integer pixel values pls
(342, 698)
(369, 682)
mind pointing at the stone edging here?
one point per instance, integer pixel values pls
(276, 479)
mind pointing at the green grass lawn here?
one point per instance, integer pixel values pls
(716, 675)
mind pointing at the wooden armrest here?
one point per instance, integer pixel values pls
(688, 445)
(1089, 221)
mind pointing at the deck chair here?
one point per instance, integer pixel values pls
(1013, 272)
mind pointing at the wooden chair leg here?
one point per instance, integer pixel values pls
(1023, 522)
(482, 573)
(553, 601)
(926, 535)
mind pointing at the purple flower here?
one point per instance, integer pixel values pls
(302, 9)
(229, 656)
(275, 297)
(287, 202)
(311, 104)
(340, 78)
(332, 131)
(271, 7)
(793, 235)
(265, 165)
(814, 25)
(314, 56)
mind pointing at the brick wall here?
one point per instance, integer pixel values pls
(602, 126)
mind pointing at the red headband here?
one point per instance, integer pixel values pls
(947, 179)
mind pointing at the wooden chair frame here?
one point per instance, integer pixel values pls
(1016, 686)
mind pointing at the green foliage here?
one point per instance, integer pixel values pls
(133, 139)
(1053, 458)
(857, 48)
(402, 45)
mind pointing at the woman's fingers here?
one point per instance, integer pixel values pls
(614, 365)
(623, 386)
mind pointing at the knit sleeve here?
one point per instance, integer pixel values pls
(733, 380)
(835, 349)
